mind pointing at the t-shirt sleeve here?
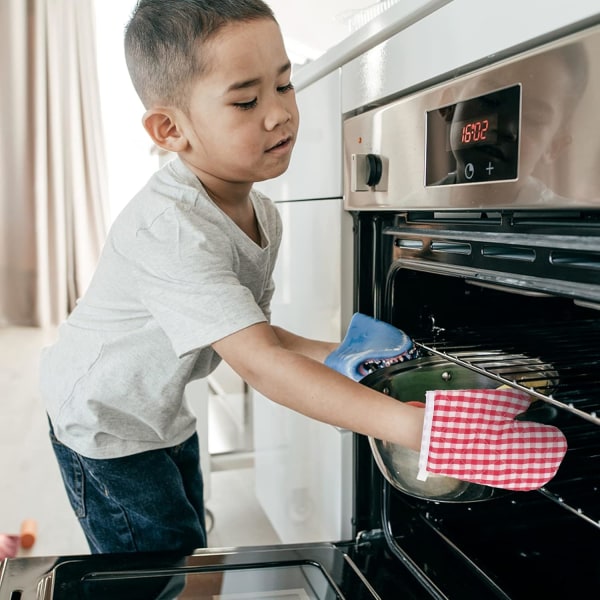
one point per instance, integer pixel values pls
(187, 277)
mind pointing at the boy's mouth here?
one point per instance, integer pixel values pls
(280, 144)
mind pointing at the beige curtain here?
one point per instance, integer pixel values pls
(53, 190)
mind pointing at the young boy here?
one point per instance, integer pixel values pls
(185, 280)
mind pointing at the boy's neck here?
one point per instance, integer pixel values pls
(229, 197)
(235, 202)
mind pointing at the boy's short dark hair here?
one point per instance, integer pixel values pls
(162, 42)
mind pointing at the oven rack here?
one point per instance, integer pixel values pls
(556, 363)
(560, 501)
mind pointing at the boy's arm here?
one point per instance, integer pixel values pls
(288, 369)
(315, 349)
(470, 434)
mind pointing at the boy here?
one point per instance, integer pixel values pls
(185, 281)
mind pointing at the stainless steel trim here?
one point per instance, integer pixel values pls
(585, 304)
(500, 288)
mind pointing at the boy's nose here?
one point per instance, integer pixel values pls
(278, 113)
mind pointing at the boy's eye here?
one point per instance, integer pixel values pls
(285, 88)
(246, 105)
(254, 102)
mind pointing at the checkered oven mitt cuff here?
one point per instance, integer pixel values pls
(472, 435)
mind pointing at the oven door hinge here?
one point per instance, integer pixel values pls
(367, 537)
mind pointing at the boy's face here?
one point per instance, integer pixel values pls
(242, 120)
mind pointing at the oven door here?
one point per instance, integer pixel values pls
(298, 572)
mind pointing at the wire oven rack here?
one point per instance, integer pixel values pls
(558, 364)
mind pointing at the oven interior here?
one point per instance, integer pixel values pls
(517, 287)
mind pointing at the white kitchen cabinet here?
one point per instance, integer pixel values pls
(303, 468)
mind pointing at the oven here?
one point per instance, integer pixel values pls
(476, 206)
(475, 202)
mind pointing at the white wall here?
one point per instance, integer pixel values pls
(312, 27)
(129, 161)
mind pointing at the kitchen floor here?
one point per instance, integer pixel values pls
(32, 487)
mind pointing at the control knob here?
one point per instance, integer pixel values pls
(368, 173)
(374, 168)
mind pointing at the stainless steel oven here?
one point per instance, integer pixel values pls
(476, 204)
(476, 209)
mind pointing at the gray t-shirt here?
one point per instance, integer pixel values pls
(176, 274)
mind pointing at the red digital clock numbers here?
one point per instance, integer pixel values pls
(475, 132)
(481, 130)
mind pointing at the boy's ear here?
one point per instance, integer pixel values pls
(162, 127)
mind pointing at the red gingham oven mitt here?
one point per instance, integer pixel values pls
(472, 435)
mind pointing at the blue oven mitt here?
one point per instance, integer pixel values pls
(369, 345)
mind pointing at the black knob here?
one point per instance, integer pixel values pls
(374, 169)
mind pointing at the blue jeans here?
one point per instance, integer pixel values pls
(147, 502)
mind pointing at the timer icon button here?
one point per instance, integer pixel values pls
(469, 171)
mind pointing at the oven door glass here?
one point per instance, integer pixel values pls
(295, 582)
(320, 572)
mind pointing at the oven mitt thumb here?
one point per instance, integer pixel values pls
(369, 345)
(472, 435)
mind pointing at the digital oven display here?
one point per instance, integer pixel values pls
(475, 140)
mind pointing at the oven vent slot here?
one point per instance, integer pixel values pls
(458, 217)
(580, 260)
(509, 252)
(409, 243)
(449, 247)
